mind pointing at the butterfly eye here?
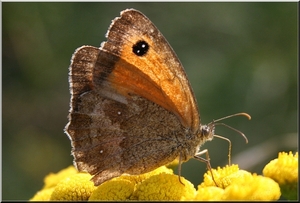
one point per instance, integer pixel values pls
(140, 48)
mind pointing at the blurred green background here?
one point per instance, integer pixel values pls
(239, 57)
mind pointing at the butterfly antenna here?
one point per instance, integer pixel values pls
(233, 115)
(228, 140)
(215, 122)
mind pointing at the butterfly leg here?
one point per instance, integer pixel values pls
(207, 161)
(179, 168)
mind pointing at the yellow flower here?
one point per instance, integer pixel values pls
(227, 183)
(43, 195)
(115, 189)
(223, 176)
(237, 185)
(50, 181)
(53, 178)
(164, 187)
(252, 188)
(173, 165)
(121, 188)
(74, 187)
(140, 178)
(68, 184)
(284, 170)
(211, 193)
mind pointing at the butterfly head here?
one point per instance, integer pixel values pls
(207, 132)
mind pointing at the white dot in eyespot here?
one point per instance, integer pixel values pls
(101, 151)
(119, 112)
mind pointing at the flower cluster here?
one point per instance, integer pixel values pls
(227, 183)
(235, 184)
(284, 170)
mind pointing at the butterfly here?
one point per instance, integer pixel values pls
(132, 107)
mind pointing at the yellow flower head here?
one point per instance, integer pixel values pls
(43, 195)
(284, 170)
(174, 164)
(252, 188)
(210, 193)
(52, 179)
(75, 187)
(140, 178)
(164, 187)
(121, 188)
(235, 184)
(115, 189)
(223, 176)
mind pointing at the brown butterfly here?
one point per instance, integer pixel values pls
(132, 106)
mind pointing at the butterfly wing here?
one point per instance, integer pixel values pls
(129, 114)
(112, 135)
(158, 75)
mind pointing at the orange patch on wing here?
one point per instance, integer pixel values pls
(149, 77)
